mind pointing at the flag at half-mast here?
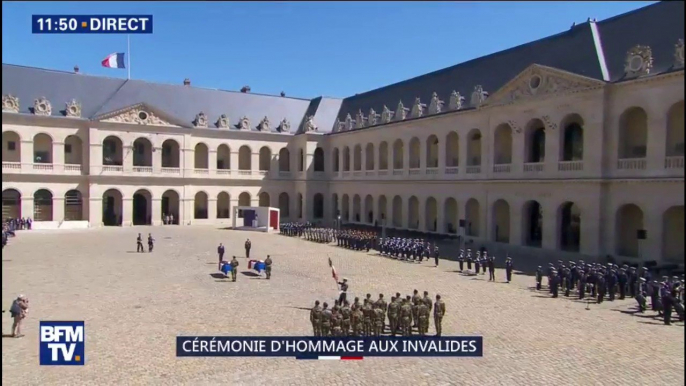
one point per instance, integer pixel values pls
(115, 60)
(333, 270)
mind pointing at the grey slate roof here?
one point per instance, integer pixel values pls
(658, 26)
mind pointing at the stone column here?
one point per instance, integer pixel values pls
(95, 212)
(518, 146)
(550, 226)
(157, 160)
(421, 208)
(58, 209)
(186, 212)
(552, 148)
(212, 208)
(127, 154)
(651, 247)
(516, 221)
(255, 161)
(440, 213)
(58, 160)
(441, 154)
(94, 158)
(26, 157)
(212, 161)
(27, 205)
(462, 156)
(656, 147)
(156, 215)
(127, 211)
(233, 160)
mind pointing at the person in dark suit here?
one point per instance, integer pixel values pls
(220, 252)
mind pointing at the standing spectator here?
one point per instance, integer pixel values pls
(18, 311)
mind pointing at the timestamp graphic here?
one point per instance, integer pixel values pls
(85, 24)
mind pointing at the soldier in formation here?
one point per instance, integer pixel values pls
(369, 318)
(408, 249)
(293, 229)
(356, 240)
(319, 235)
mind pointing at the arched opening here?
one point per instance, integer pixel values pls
(570, 227)
(369, 209)
(502, 145)
(301, 160)
(318, 159)
(572, 138)
(264, 200)
(73, 206)
(202, 157)
(501, 221)
(451, 215)
(397, 212)
(383, 156)
(335, 212)
(369, 157)
(383, 216)
(244, 158)
(358, 158)
(11, 204)
(398, 155)
(223, 157)
(200, 206)
(170, 206)
(223, 205)
(532, 227)
(142, 207)
(284, 205)
(42, 149)
(265, 158)
(42, 205)
(142, 152)
(452, 150)
(633, 133)
(432, 152)
(284, 161)
(431, 215)
(171, 154)
(675, 131)
(335, 158)
(474, 148)
(112, 204)
(112, 151)
(673, 232)
(415, 162)
(346, 159)
(472, 218)
(535, 142)
(413, 211)
(244, 199)
(318, 206)
(357, 209)
(73, 150)
(11, 147)
(300, 205)
(346, 208)
(629, 220)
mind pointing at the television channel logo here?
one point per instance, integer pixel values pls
(62, 343)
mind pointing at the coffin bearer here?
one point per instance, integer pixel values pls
(268, 267)
(248, 245)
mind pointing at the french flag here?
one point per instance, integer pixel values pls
(115, 60)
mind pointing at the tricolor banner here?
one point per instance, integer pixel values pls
(115, 60)
(333, 270)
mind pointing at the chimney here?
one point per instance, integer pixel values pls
(283, 94)
(187, 82)
(76, 69)
(245, 89)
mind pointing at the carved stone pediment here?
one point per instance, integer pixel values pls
(200, 120)
(386, 115)
(401, 112)
(10, 103)
(285, 126)
(309, 125)
(639, 61)
(456, 101)
(679, 54)
(138, 116)
(73, 109)
(42, 106)
(417, 109)
(373, 117)
(338, 126)
(359, 120)
(540, 81)
(478, 96)
(263, 125)
(222, 122)
(244, 123)
(349, 123)
(436, 105)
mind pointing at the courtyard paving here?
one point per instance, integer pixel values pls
(134, 306)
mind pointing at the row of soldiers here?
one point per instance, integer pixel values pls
(294, 229)
(356, 240)
(369, 318)
(408, 249)
(607, 281)
(482, 261)
(320, 235)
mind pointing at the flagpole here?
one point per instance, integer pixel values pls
(128, 55)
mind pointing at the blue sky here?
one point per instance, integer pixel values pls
(306, 49)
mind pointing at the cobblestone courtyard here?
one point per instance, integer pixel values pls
(134, 306)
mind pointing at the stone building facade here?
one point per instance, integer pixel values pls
(573, 143)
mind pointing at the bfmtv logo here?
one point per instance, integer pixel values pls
(62, 343)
